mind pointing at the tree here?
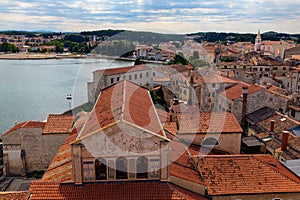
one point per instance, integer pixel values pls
(179, 59)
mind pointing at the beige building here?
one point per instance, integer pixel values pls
(30, 146)
(140, 74)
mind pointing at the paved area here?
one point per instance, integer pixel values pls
(18, 184)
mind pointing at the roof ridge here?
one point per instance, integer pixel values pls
(123, 101)
(25, 124)
(275, 169)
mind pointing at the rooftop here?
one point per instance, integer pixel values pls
(116, 190)
(235, 91)
(246, 174)
(58, 124)
(28, 124)
(124, 101)
(122, 70)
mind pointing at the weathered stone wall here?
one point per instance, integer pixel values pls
(255, 101)
(39, 149)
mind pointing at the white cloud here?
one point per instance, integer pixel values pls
(174, 15)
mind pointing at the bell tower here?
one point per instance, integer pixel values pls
(257, 44)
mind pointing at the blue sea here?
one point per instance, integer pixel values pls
(32, 89)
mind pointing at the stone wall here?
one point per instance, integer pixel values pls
(39, 149)
(255, 101)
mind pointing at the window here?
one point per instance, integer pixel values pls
(210, 141)
(293, 113)
(135, 76)
(184, 92)
(142, 167)
(277, 199)
(121, 165)
(153, 74)
(130, 77)
(284, 68)
(88, 171)
(275, 68)
(255, 69)
(213, 94)
(101, 169)
(118, 78)
(267, 69)
(147, 74)
(141, 75)
(261, 69)
(271, 99)
(112, 80)
(213, 85)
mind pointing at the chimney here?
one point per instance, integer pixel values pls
(244, 108)
(284, 140)
(272, 126)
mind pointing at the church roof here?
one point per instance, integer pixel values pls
(115, 190)
(126, 102)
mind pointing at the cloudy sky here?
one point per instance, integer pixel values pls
(169, 16)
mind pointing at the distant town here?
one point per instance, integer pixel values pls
(217, 118)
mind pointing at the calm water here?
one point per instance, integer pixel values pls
(32, 89)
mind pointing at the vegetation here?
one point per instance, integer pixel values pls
(8, 48)
(179, 59)
(242, 37)
(115, 48)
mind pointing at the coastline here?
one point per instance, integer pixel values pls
(44, 56)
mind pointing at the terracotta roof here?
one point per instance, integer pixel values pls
(246, 174)
(122, 70)
(28, 124)
(60, 168)
(235, 91)
(208, 122)
(213, 78)
(14, 195)
(278, 91)
(58, 124)
(124, 101)
(114, 190)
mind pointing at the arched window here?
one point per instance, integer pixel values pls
(101, 169)
(121, 165)
(142, 167)
(210, 142)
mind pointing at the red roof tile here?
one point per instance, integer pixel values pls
(114, 190)
(124, 101)
(58, 124)
(213, 78)
(122, 70)
(235, 91)
(28, 124)
(208, 122)
(246, 174)
(60, 168)
(14, 195)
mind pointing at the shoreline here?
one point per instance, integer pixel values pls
(40, 56)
